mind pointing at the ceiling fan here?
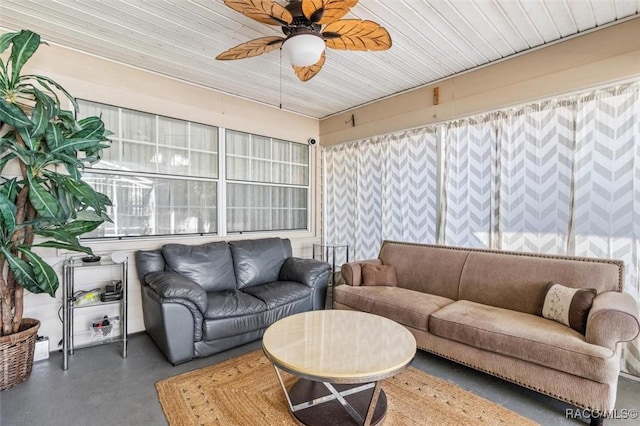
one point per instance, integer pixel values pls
(309, 26)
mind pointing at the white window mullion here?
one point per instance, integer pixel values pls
(222, 182)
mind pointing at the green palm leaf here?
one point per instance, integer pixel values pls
(44, 275)
(40, 119)
(9, 188)
(47, 101)
(79, 227)
(45, 204)
(77, 144)
(64, 246)
(57, 234)
(5, 159)
(83, 192)
(7, 215)
(5, 40)
(13, 115)
(45, 81)
(53, 135)
(28, 138)
(25, 43)
(22, 271)
(91, 127)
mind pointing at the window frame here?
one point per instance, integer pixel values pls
(220, 181)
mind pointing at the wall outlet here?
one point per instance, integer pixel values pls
(42, 349)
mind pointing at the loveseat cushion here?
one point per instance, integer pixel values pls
(526, 337)
(233, 312)
(232, 303)
(210, 265)
(407, 307)
(259, 261)
(279, 293)
(148, 261)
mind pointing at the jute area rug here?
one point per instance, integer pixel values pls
(245, 391)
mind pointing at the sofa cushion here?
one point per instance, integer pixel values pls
(259, 261)
(210, 265)
(148, 261)
(518, 281)
(378, 275)
(568, 306)
(407, 307)
(425, 268)
(232, 303)
(524, 336)
(279, 293)
(233, 327)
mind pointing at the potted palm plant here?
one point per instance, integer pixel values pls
(43, 199)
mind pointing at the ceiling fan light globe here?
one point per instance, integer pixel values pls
(303, 50)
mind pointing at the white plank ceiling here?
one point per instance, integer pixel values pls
(432, 39)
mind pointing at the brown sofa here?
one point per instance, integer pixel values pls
(482, 308)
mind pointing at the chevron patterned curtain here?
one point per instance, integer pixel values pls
(560, 176)
(370, 164)
(411, 187)
(606, 214)
(536, 160)
(381, 188)
(469, 182)
(340, 183)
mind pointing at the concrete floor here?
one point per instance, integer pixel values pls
(100, 388)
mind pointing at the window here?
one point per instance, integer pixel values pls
(267, 183)
(162, 175)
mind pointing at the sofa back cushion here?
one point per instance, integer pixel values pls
(148, 261)
(259, 261)
(519, 281)
(426, 268)
(210, 264)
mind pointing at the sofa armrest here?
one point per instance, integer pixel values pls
(613, 318)
(170, 285)
(352, 271)
(313, 273)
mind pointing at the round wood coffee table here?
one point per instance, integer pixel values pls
(339, 357)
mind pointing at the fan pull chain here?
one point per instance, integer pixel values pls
(280, 78)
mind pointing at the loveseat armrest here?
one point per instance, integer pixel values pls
(352, 271)
(313, 273)
(613, 318)
(170, 285)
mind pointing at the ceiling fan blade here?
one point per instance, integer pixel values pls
(265, 11)
(251, 48)
(326, 11)
(307, 73)
(353, 34)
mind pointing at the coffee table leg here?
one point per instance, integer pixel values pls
(371, 416)
(284, 389)
(352, 412)
(372, 404)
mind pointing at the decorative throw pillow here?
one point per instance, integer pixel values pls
(569, 306)
(378, 275)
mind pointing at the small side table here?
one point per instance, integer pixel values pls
(327, 253)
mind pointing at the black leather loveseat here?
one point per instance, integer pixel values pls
(203, 299)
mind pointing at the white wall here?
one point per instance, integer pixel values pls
(99, 80)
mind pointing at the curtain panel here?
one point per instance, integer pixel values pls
(559, 176)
